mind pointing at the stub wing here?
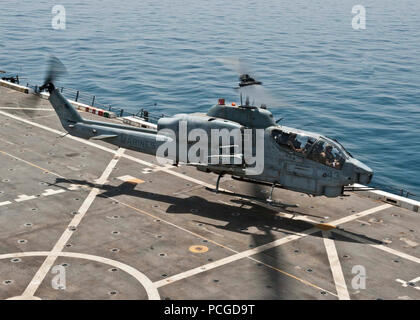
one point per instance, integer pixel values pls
(104, 136)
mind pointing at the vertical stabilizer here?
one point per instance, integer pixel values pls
(65, 111)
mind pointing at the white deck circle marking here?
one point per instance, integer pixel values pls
(148, 285)
(59, 246)
(24, 298)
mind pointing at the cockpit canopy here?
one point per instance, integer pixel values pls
(317, 148)
(328, 153)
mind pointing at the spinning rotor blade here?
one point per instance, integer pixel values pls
(235, 64)
(55, 70)
(257, 94)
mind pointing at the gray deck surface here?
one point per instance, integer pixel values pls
(148, 232)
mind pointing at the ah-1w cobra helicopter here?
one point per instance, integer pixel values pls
(294, 159)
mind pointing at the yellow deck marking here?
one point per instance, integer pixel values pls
(130, 179)
(325, 226)
(135, 181)
(31, 164)
(198, 249)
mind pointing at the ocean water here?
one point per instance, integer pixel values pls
(359, 86)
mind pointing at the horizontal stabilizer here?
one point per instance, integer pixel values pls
(104, 136)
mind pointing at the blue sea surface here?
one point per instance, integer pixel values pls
(360, 86)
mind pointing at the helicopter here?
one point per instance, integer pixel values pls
(292, 159)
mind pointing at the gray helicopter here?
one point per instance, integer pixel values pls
(293, 159)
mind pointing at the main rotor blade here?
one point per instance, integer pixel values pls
(257, 94)
(235, 64)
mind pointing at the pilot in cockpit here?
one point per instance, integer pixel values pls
(330, 158)
(293, 143)
(318, 154)
(308, 145)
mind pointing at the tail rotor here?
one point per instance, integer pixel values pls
(56, 69)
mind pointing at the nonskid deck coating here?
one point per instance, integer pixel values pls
(148, 232)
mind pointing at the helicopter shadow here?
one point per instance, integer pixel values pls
(260, 223)
(249, 215)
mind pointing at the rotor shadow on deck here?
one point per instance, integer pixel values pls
(238, 219)
(261, 224)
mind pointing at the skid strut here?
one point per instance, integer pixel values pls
(270, 198)
(218, 182)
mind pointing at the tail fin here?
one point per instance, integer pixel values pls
(66, 112)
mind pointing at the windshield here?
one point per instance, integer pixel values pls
(298, 143)
(346, 153)
(327, 153)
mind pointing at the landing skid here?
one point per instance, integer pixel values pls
(268, 201)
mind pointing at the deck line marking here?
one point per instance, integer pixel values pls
(39, 117)
(378, 246)
(405, 284)
(262, 248)
(195, 234)
(104, 177)
(59, 246)
(77, 186)
(232, 258)
(369, 211)
(31, 164)
(150, 170)
(51, 192)
(360, 214)
(14, 108)
(340, 221)
(24, 197)
(149, 164)
(172, 224)
(337, 272)
(294, 277)
(220, 245)
(185, 177)
(151, 290)
(74, 187)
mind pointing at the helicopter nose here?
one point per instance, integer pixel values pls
(362, 173)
